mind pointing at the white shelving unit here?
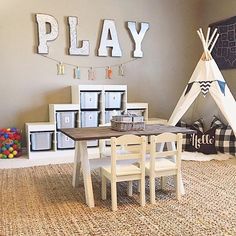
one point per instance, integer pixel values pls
(138, 109)
(92, 105)
(39, 128)
(154, 121)
(111, 98)
(43, 128)
(61, 115)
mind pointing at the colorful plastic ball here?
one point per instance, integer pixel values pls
(7, 146)
(5, 135)
(6, 152)
(10, 149)
(14, 152)
(4, 149)
(15, 147)
(10, 155)
(4, 156)
(1, 155)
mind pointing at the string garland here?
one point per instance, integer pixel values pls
(91, 69)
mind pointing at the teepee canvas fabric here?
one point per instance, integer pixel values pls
(207, 79)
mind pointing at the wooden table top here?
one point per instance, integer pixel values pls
(78, 134)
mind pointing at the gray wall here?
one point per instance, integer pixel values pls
(217, 10)
(29, 82)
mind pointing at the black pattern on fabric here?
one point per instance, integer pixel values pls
(189, 86)
(225, 140)
(205, 86)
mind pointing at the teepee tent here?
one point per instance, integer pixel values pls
(205, 79)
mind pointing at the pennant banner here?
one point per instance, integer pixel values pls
(189, 86)
(205, 86)
(222, 86)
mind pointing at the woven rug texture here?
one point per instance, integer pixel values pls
(41, 201)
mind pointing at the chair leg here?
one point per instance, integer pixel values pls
(142, 192)
(104, 188)
(130, 188)
(163, 182)
(178, 192)
(139, 187)
(113, 196)
(152, 190)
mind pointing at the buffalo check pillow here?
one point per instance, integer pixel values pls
(225, 140)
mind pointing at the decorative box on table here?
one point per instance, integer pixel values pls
(127, 122)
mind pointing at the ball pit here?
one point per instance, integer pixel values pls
(10, 143)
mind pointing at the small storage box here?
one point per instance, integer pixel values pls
(89, 118)
(64, 142)
(109, 114)
(89, 100)
(137, 112)
(124, 118)
(92, 143)
(66, 119)
(41, 141)
(126, 126)
(113, 100)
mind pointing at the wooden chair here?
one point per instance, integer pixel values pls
(161, 165)
(122, 169)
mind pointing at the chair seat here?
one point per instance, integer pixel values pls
(162, 164)
(122, 170)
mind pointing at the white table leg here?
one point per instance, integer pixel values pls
(77, 166)
(171, 146)
(81, 156)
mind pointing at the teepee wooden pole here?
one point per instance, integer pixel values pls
(204, 44)
(208, 34)
(212, 36)
(214, 42)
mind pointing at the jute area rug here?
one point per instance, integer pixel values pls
(41, 201)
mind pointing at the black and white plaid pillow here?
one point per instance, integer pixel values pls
(216, 122)
(225, 140)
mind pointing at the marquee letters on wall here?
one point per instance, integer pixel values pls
(48, 30)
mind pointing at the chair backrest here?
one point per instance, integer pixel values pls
(166, 138)
(119, 153)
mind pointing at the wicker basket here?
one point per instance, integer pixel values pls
(126, 126)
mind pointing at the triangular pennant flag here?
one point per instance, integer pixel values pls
(60, 68)
(189, 86)
(205, 86)
(222, 86)
(77, 73)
